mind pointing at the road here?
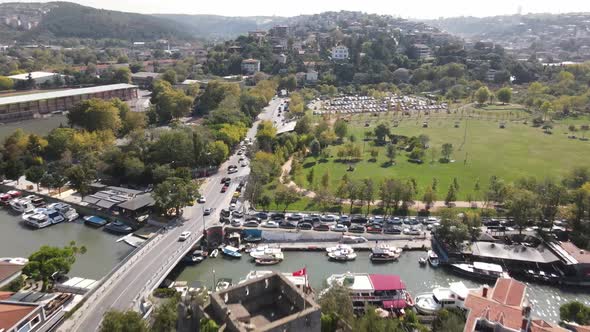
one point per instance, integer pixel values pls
(143, 272)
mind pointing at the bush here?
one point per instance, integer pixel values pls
(15, 285)
(165, 293)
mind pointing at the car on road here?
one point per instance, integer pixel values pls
(202, 200)
(184, 236)
(225, 212)
(226, 180)
(270, 224)
(237, 222)
(356, 229)
(339, 228)
(321, 228)
(305, 225)
(207, 211)
(224, 189)
(250, 223)
(232, 206)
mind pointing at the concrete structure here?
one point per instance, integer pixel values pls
(144, 79)
(339, 52)
(27, 106)
(269, 303)
(39, 77)
(250, 66)
(423, 51)
(311, 76)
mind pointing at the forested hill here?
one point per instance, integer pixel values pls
(48, 21)
(223, 27)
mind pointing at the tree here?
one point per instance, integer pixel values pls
(451, 195)
(123, 321)
(368, 193)
(325, 180)
(13, 169)
(218, 152)
(35, 174)
(482, 95)
(447, 151)
(6, 83)
(122, 75)
(265, 135)
(337, 300)
(175, 193)
(47, 261)
(80, 177)
(265, 201)
(166, 316)
(523, 206)
(429, 197)
(546, 108)
(95, 114)
(341, 129)
(449, 320)
(315, 148)
(208, 325)
(504, 95)
(169, 76)
(575, 312)
(381, 132)
(310, 176)
(390, 152)
(286, 195)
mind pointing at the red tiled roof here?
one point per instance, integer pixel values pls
(10, 314)
(394, 304)
(386, 282)
(539, 325)
(5, 295)
(509, 291)
(7, 270)
(582, 256)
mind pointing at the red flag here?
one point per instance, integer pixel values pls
(300, 273)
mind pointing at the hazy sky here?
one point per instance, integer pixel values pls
(406, 8)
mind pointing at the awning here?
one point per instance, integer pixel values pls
(394, 304)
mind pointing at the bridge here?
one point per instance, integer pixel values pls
(144, 270)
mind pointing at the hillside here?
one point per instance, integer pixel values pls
(222, 27)
(54, 20)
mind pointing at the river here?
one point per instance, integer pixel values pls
(103, 252)
(545, 300)
(41, 126)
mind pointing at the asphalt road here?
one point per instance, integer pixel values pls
(147, 269)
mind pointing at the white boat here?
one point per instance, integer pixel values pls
(262, 251)
(379, 254)
(66, 211)
(54, 216)
(339, 246)
(480, 270)
(342, 255)
(214, 253)
(300, 281)
(21, 205)
(452, 297)
(31, 212)
(422, 261)
(38, 220)
(231, 252)
(433, 258)
(223, 284)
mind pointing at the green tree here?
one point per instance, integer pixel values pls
(381, 132)
(123, 321)
(546, 108)
(310, 177)
(218, 152)
(482, 95)
(504, 95)
(175, 193)
(286, 195)
(449, 320)
(265, 135)
(451, 195)
(122, 75)
(170, 76)
(523, 206)
(325, 180)
(390, 152)
(166, 316)
(447, 151)
(6, 83)
(13, 170)
(429, 197)
(208, 325)
(341, 129)
(47, 261)
(337, 300)
(35, 174)
(95, 114)
(576, 312)
(80, 177)
(315, 148)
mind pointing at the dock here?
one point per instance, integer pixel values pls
(407, 245)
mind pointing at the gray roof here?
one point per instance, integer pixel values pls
(63, 93)
(138, 202)
(541, 254)
(145, 74)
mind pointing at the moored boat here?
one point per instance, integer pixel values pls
(66, 210)
(379, 254)
(264, 251)
(422, 261)
(54, 216)
(214, 253)
(94, 221)
(480, 270)
(21, 205)
(441, 298)
(339, 246)
(38, 220)
(267, 260)
(433, 258)
(252, 239)
(342, 255)
(118, 227)
(36, 200)
(223, 284)
(231, 252)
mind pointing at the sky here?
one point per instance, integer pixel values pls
(425, 9)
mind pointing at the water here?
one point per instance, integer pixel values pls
(546, 300)
(40, 126)
(103, 253)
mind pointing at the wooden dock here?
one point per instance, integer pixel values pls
(408, 245)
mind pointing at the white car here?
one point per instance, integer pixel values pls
(244, 163)
(184, 236)
(232, 206)
(202, 200)
(339, 228)
(270, 224)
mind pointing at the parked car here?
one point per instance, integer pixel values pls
(237, 222)
(288, 224)
(377, 220)
(304, 225)
(321, 227)
(226, 180)
(262, 215)
(392, 230)
(295, 217)
(201, 200)
(339, 228)
(237, 214)
(251, 223)
(394, 221)
(270, 224)
(223, 189)
(225, 212)
(374, 229)
(356, 228)
(277, 216)
(207, 211)
(357, 219)
(328, 218)
(224, 220)
(184, 236)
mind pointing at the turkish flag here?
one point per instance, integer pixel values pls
(300, 273)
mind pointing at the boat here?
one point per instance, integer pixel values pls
(441, 298)
(36, 200)
(38, 220)
(480, 271)
(223, 284)
(422, 261)
(94, 221)
(231, 252)
(385, 291)
(264, 251)
(339, 246)
(31, 212)
(21, 205)
(118, 227)
(54, 216)
(194, 257)
(69, 213)
(342, 255)
(252, 239)
(214, 253)
(267, 260)
(379, 254)
(433, 258)
(14, 193)
(5, 199)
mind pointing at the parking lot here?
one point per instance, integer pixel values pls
(366, 104)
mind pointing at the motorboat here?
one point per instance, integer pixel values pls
(118, 227)
(36, 200)
(379, 254)
(66, 210)
(441, 298)
(214, 253)
(54, 216)
(21, 205)
(433, 258)
(342, 255)
(300, 281)
(38, 220)
(223, 284)
(232, 252)
(422, 261)
(31, 212)
(339, 246)
(194, 257)
(264, 251)
(252, 239)
(94, 221)
(480, 270)
(268, 260)
(385, 291)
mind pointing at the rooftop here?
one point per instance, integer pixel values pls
(7, 270)
(514, 252)
(580, 255)
(62, 93)
(145, 74)
(383, 282)
(34, 75)
(12, 313)
(138, 202)
(250, 61)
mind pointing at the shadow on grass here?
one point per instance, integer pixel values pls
(387, 164)
(310, 164)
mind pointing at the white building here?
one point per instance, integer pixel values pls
(39, 77)
(250, 66)
(340, 52)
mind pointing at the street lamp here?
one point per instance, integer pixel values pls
(213, 288)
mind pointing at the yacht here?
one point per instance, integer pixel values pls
(265, 251)
(223, 284)
(379, 254)
(95, 221)
(38, 220)
(21, 205)
(452, 297)
(385, 291)
(342, 255)
(480, 271)
(31, 212)
(339, 246)
(36, 200)
(300, 281)
(54, 216)
(118, 227)
(231, 252)
(433, 258)
(65, 210)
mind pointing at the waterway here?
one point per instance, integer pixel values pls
(41, 126)
(103, 252)
(545, 300)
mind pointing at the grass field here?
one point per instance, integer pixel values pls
(481, 149)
